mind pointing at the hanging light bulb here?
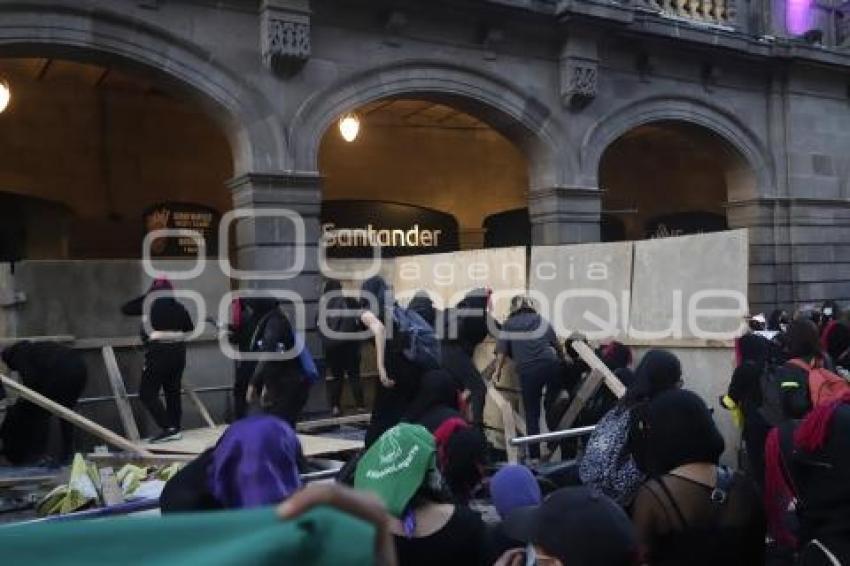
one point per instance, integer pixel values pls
(349, 127)
(5, 94)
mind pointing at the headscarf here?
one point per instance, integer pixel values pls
(512, 487)
(658, 371)
(461, 454)
(255, 463)
(422, 305)
(678, 429)
(437, 388)
(616, 355)
(752, 348)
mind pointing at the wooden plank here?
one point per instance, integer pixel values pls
(509, 422)
(202, 409)
(591, 359)
(588, 389)
(119, 391)
(23, 480)
(193, 441)
(196, 441)
(363, 418)
(72, 417)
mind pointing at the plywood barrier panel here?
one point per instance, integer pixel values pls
(448, 277)
(84, 298)
(352, 272)
(581, 288)
(677, 279)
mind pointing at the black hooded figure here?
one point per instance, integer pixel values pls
(251, 310)
(58, 373)
(165, 360)
(281, 385)
(400, 383)
(342, 355)
(472, 322)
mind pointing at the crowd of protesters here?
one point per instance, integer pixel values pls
(646, 487)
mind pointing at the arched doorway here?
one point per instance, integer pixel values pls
(670, 177)
(426, 155)
(107, 145)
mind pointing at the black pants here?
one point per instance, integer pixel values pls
(459, 363)
(343, 362)
(244, 373)
(392, 403)
(164, 364)
(533, 381)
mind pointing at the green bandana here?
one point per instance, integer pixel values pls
(396, 465)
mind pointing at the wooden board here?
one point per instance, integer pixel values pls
(670, 273)
(588, 389)
(196, 400)
(363, 418)
(119, 391)
(196, 441)
(579, 282)
(590, 358)
(72, 417)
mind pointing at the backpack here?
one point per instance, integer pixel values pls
(824, 385)
(608, 464)
(346, 323)
(791, 390)
(420, 344)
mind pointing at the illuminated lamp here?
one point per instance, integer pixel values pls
(349, 127)
(5, 94)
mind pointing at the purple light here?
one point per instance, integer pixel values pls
(799, 14)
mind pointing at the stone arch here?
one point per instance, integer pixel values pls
(725, 125)
(520, 117)
(70, 32)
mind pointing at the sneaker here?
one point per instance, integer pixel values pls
(167, 435)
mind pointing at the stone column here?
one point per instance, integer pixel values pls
(265, 244)
(770, 282)
(799, 250)
(563, 215)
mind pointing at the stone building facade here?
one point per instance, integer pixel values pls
(562, 80)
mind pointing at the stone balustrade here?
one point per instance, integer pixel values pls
(720, 12)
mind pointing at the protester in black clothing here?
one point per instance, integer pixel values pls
(609, 461)
(574, 525)
(467, 325)
(422, 305)
(342, 354)
(538, 356)
(165, 356)
(281, 381)
(58, 373)
(692, 510)
(778, 321)
(249, 311)
(440, 398)
(398, 377)
(753, 353)
(808, 466)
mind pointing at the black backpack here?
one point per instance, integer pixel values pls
(784, 394)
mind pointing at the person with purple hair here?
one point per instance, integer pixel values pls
(254, 463)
